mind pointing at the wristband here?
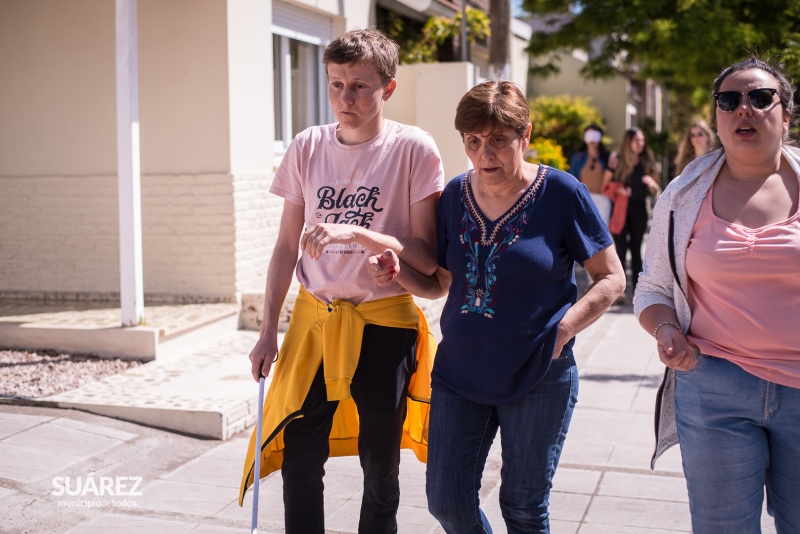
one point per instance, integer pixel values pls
(665, 323)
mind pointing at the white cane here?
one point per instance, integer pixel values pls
(257, 467)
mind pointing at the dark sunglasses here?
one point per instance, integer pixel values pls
(728, 101)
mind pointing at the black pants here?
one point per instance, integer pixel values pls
(379, 389)
(631, 237)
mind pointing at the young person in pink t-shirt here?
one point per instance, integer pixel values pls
(352, 189)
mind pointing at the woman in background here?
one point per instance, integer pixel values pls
(636, 171)
(697, 140)
(589, 165)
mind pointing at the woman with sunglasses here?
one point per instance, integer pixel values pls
(695, 142)
(636, 172)
(720, 292)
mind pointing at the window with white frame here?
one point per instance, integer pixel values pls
(299, 38)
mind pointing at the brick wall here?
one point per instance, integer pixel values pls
(60, 234)
(257, 221)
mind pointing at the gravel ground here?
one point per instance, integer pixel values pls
(46, 372)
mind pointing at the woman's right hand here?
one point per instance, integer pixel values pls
(263, 355)
(675, 351)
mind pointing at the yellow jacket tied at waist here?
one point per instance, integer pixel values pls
(333, 333)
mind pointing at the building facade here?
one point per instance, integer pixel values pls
(224, 85)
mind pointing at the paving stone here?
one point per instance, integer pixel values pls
(234, 450)
(344, 484)
(592, 528)
(209, 471)
(412, 519)
(10, 427)
(564, 527)
(653, 487)
(179, 497)
(639, 513)
(604, 390)
(345, 518)
(208, 529)
(59, 440)
(270, 504)
(26, 465)
(568, 506)
(578, 453)
(93, 429)
(569, 480)
(20, 419)
(127, 524)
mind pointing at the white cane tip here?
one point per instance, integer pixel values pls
(254, 531)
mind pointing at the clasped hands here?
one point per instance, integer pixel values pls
(384, 268)
(675, 351)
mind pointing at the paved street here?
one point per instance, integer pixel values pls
(189, 485)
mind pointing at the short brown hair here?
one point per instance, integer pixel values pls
(495, 105)
(364, 46)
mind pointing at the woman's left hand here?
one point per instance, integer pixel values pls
(561, 340)
(675, 351)
(384, 267)
(651, 184)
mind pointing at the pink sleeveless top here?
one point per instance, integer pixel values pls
(744, 293)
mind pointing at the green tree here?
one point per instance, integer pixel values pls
(433, 40)
(681, 43)
(443, 31)
(562, 118)
(546, 151)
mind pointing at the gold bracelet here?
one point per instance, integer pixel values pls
(665, 323)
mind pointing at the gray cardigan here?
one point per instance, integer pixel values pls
(683, 198)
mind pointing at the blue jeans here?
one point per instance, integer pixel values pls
(532, 433)
(738, 434)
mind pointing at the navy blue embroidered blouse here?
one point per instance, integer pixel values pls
(513, 281)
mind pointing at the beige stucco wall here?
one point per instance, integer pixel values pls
(57, 92)
(427, 95)
(518, 58)
(206, 141)
(183, 86)
(610, 96)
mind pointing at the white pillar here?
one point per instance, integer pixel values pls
(128, 164)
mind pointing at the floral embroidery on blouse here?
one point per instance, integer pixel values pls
(474, 234)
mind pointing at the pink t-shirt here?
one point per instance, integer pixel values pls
(372, 184)
(744, 293)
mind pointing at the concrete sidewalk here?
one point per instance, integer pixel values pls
(189, 485)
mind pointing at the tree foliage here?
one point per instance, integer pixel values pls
(681, 43)
(546, 151)
(562, 118)
(420, 43)
(440, 29)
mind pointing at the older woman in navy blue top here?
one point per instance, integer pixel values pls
(510, 233)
